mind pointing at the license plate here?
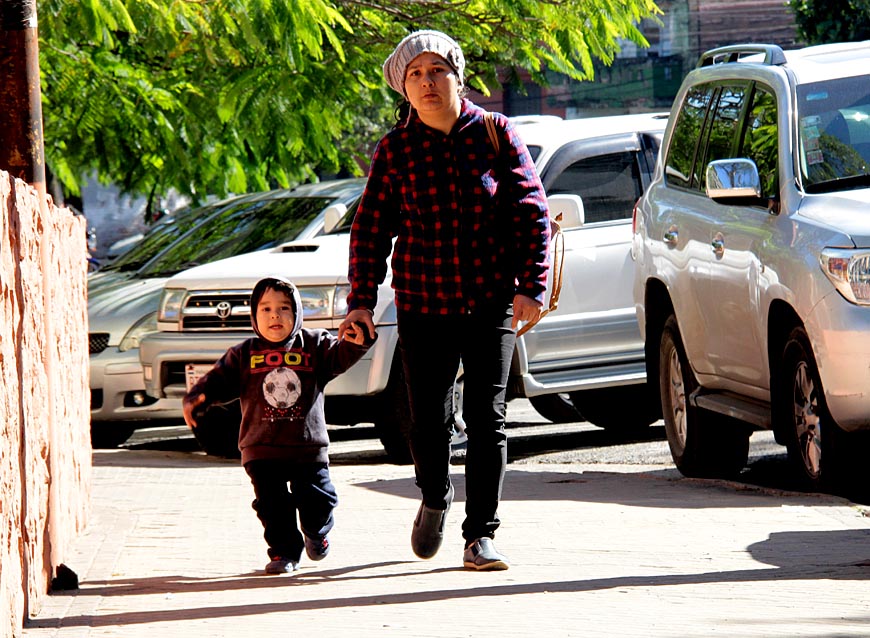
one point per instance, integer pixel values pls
(193, 372)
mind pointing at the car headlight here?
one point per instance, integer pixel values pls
(144, 326)
(324, 302)
(849, 271)
(170, 305)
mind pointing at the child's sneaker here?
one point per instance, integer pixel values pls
(280, 565)
(317, 549)
(482, 555)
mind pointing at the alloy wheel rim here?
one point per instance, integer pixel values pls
(806, 420)
(678, 397)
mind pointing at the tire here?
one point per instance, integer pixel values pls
(625, 408)
(812, 439)
(703, 444)
(110, 434)
(558, 408)
(217, 430)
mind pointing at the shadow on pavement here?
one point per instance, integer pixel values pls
(837, 554)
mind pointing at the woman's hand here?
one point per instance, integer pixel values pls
(525, 309)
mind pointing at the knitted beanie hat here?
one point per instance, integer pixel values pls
(415, 44)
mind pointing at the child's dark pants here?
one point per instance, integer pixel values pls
(311, 493)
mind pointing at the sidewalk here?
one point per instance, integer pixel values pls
(174, 549)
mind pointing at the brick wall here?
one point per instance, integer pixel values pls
(45, 454)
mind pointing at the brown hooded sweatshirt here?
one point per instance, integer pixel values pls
(280, 386)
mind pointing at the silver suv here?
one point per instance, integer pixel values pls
(587, 354)
(752, 250)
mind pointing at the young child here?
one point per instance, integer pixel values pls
(279, 377)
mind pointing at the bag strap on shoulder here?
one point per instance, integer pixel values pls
(491, 129)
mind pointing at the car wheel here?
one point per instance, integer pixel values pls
(558, 408)
(109, 434)
(217, 430)
(811, 437)
(620, 409)
(703, 444)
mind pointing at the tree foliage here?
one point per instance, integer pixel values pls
(832, 20)
(218, 96)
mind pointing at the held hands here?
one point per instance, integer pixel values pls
(355, 319)
(354, 334)
(188, 406)
(525, 309)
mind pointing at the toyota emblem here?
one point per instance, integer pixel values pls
(223, 309)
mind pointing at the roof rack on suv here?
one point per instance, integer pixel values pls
(773, 54)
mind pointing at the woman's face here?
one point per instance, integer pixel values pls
(431, 85)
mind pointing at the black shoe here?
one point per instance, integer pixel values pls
(428, 531)
(317, 549)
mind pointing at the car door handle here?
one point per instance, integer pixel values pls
(671, 236)
(718, 245)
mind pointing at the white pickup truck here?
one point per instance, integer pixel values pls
(590, 349)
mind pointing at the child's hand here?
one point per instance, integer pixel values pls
(354, 334)
(188, 406)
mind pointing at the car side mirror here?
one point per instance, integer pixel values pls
(570, 207)
(733, 178)
(332, 215)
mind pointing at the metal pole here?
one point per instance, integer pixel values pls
(21, 143)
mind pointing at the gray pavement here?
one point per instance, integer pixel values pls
(173, 548)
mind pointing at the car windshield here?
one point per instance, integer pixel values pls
(159, 237)
(834, 121)
(241, 228)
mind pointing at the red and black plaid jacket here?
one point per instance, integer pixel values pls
(472, 228)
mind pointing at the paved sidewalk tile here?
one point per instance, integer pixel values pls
(173, 548)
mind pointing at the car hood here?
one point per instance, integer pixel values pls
(846, 211)
(318, 261)
(115, 307)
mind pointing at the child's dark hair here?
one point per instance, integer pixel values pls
(279, 286)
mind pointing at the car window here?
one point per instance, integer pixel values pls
(760, 142)
(724, 127)
(239, 229)
(680, 162)
(609, 185)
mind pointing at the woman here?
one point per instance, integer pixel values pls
(470, 263)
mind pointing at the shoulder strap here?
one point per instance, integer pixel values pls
(491, 129)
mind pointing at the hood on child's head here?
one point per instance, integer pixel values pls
(283, 285)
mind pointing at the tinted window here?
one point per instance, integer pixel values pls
(608, 184)
(760, 142)
(687, 131)
(724, 128)
(240, 229)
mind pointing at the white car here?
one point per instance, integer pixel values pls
(123, 297)
(589, 349)
(753, 261)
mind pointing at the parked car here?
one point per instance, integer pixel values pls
(589, 349)
(752, 249)
(123, 297)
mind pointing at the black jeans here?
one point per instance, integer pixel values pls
(432, 347)
(311, 493)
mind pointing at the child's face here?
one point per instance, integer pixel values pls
(275, 316)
